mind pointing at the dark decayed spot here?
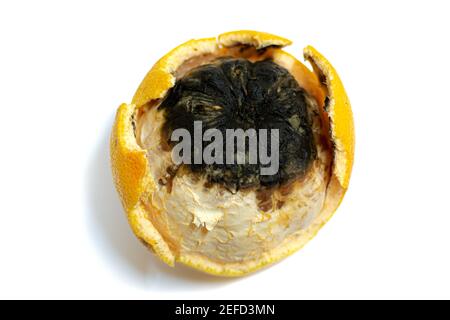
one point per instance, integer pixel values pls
(232, 93)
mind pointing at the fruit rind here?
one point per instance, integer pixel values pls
(128, 159)
(259, 40)
(340, 115)
(129, 170)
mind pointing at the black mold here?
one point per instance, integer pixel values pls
(260, 95)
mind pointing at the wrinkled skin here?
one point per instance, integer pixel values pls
(235, 93)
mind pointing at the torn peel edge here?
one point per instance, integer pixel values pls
(145, 231)
(129, 166)
(128, 160)
(259, 40)
(339, 113)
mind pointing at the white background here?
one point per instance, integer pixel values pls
(66, 66)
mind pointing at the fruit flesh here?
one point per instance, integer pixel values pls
(208, 221)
